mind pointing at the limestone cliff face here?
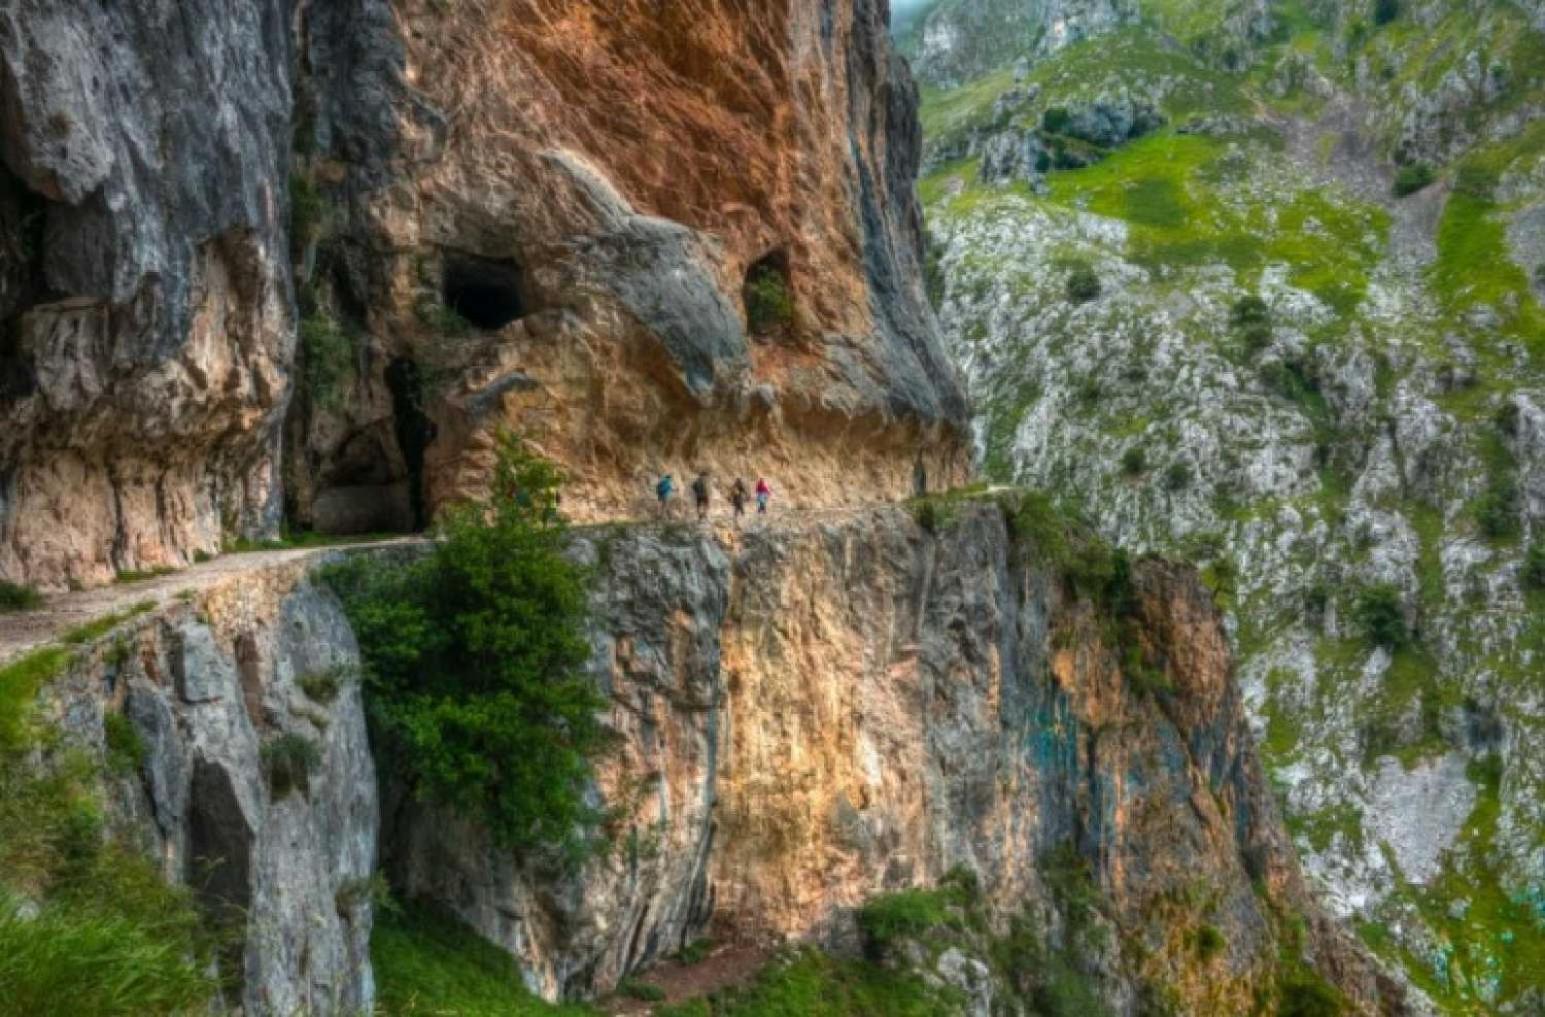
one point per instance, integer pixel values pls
(145, 326)
(531, 214)
(818, 713)
(542, 215)
(210, 687)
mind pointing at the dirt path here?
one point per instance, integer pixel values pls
(20, 633)
(28, 630)
(723, 968)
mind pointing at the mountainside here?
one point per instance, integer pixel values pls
(306, 290)
(1261, 285)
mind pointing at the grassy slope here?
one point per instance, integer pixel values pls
(1182, 213)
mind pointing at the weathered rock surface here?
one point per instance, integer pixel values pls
(476, 166)
(816, 713)
(208, 686)
(484, 240)
(144, 282)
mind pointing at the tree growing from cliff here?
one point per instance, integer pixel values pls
(474, 658)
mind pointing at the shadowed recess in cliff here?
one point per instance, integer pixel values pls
(485, 291)
(413, 429)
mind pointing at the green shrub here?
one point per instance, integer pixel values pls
(1385, 11)
(1209, 942)
(1413, 177)
(308, 210)
(769, 305)
(1083, 284)
(1305, 994)
(1178, 476)
(20, 681)
(288, 761)
(1056, 120)
(14, 597)
(695, 952)
(323, 686)
(1249, 310)
(1380, 615)
(353, 894)
(125, 748)
(1532, 574)
(144, 575)
(905, 914)
(1134, 461)
(1497, 509)
(641, 991)
(473, 664)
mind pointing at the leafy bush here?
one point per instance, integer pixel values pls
(1496, 511)
(1178, 476)
(695, 952)
(1305, 994)
(288, 761)
(1134, 461)
(769, 305)
(1056, 120)
(323, 686)
(473, 663)
(14, 597)
(902, 915)
(1250, 318)
(1083, 284)
(641, 991)
(1385, 11)
(308, 210)
(1209, 942)
(1413, 177)
(1532, 575)
(1380, 615)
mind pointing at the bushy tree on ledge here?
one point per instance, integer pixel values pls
(474, 657)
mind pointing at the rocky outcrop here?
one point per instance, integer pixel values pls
(816, 713)
(957, 42)
(144, 284)
(484, 238)
(223, 691)
(503, 246)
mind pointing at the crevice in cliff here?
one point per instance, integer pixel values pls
(413, 428)
(484, 291)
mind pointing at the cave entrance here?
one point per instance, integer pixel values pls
(413, 428)
(485, 291)
(768, 297)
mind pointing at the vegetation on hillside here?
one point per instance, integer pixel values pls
(473, 657)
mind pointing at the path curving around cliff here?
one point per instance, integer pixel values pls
(61, 613)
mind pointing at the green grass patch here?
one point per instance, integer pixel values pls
(15, 597)
(99, 627)
(144, 575)
(806, 983)
(427, 965)
(20, 681)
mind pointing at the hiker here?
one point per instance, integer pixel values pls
(739, 495)
(664, 489)
(700, 495)
(763, 492)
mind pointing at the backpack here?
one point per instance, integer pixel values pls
(700, 488)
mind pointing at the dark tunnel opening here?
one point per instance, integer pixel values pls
(484, 291)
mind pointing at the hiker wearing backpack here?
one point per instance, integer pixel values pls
(739, 495)
(663, 490)
(763, 494)
(700, 495)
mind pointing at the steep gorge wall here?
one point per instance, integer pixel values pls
(525, 214)
(821, 712)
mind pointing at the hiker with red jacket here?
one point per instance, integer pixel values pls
(763, 493)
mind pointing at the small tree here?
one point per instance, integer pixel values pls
(1381, 617)
(474, 659)
(1134, 461)
(1083, 284)
(1412, 178)
(1533, 572)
